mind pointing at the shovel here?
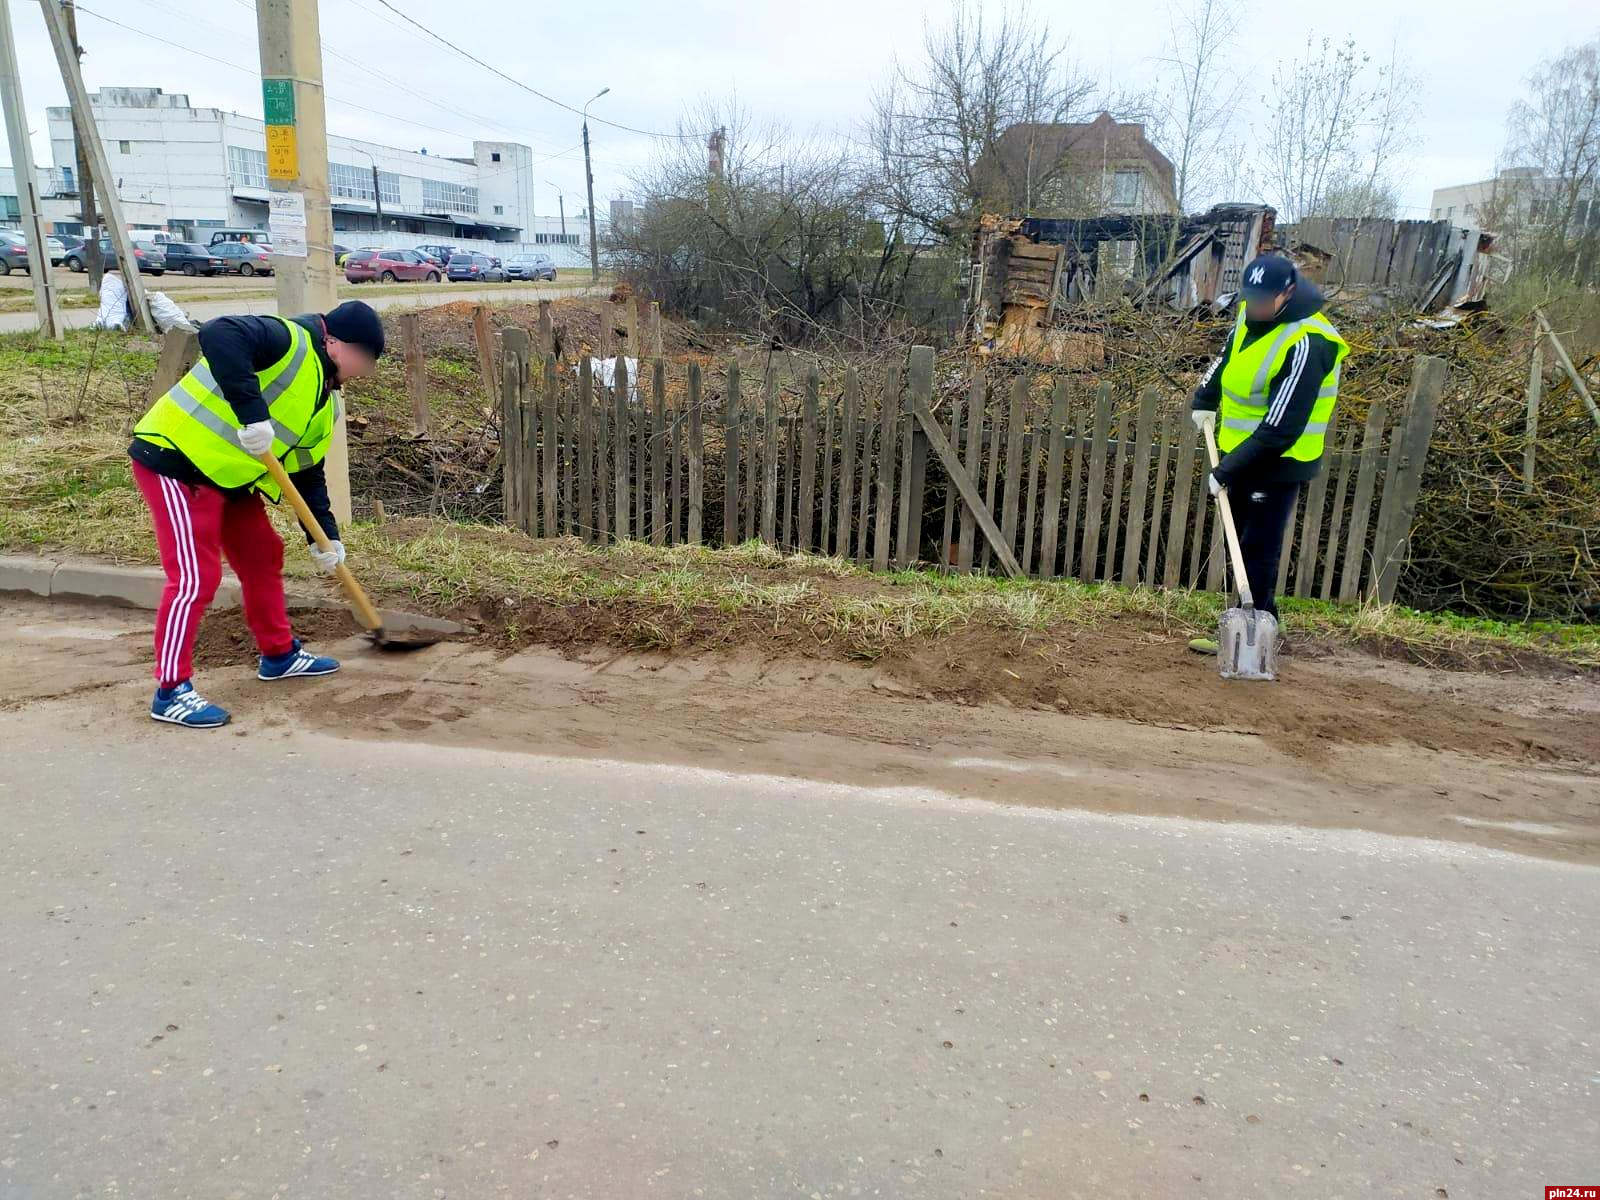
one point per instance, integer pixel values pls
(1247, 641)
(368, 616)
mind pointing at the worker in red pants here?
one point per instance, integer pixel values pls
(261, 384)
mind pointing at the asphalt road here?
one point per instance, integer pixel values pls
(288, 965)
(423, 296)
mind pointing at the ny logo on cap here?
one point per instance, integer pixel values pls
(1257, 275)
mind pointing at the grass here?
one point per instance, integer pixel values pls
(64, 485)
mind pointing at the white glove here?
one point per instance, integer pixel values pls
(257, 438)
(1211, 482)
(328, 560)
(1204, 419)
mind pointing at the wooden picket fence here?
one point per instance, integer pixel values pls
(1030, 475)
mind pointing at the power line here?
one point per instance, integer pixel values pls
(442, 40)
(456, 133)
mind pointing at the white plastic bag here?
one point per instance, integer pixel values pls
(113, 312)
(166, 314)
(605, 373)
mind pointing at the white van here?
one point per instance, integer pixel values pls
(152, 237)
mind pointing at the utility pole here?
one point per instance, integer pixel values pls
(93, 261)
(297, 174)
(44, 295)
(83, 118)
(561, 201)
(588, 174)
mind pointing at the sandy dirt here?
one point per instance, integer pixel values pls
(1130, 725)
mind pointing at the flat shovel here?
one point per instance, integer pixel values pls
(365, 613)
(1247, 640)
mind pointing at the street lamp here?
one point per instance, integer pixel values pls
(561, 200)
(588, 174)
(377, 190)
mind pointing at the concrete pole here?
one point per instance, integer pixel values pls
(594, 246)
(44, 294)
(78, 97)
(93, 260)
(297, 162)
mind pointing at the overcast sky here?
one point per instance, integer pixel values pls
(811, 64)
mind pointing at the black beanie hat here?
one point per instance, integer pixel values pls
(355, 322)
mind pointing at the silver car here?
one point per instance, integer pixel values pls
(530, 266)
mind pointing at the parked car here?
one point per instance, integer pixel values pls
(530, 266)
(13, 251)
(243, 258)
(475, 268)
(58, 250)
(193, 259)
(388, 266)
(338, 254)
(218, 236)
(440, 253)
(152, 259)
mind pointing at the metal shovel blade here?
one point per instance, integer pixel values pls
(1247, 644)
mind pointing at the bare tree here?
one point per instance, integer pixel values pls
(1335, 126)
(780, 238)
(1546, 201)
(1192, 112)
(974, 124)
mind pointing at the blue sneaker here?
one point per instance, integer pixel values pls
(182, 705)
(298, 663)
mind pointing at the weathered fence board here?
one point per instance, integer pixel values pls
(1169, 435)
(808, 462)
(1089, 551)
(769, 457)
(847, 463)
(1139, 489)
(1330, 556)
(730, 458)
(1121, 435)
(971, 460)
(697, 453)
(1059, 399)
(1080, 432)
(1355, 545)
(552, 440)
(1177, 517)
(658, 450)
(888, 426)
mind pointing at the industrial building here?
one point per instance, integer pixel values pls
(191, 170)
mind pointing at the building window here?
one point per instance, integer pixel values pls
(247, 168)
(351, 183)
(499, 210)
(440, 196)
(1451, 211)
(494, 156)
(555, 239)
(1125, 188)
(124, 148)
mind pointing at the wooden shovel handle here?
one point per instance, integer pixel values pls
(365, 612)
(1230, 532)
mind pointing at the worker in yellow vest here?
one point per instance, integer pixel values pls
(1269, 399)
(262, 383)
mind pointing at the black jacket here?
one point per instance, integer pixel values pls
(1259, 458)
(236, 348)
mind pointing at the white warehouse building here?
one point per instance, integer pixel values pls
(192, 170)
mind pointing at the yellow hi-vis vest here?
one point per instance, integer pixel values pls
(1249, 372)
(194, 419)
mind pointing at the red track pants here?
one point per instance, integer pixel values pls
(195, 526)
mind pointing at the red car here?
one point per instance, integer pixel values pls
(364, 266)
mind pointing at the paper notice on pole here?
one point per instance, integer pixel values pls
(286, 222)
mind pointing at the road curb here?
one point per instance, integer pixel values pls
(140, 587)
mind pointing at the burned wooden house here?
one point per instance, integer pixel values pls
(1028, 273)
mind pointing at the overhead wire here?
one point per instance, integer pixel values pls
(470, 57)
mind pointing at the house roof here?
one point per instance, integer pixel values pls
(1104, 137)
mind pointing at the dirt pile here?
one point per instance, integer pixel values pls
(1133, 669)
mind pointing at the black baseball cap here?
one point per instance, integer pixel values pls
(1266, 276)
(357, 323)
